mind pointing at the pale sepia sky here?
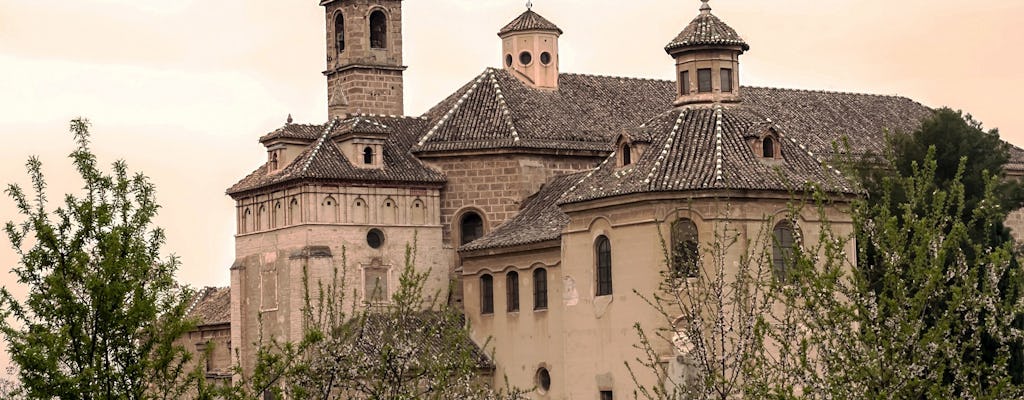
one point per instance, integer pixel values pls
(182, 89)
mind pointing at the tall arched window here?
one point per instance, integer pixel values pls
(685, 249)
(768, 148)
(246, 216)
(378, 30)
(512, 291)
(540, 289)
(368, 156)
(603, 249)
(487, 294)
(470, 228)
(339, 32)
(293, 212)
(783, 240)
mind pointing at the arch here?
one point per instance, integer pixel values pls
(375, 284)
(783, 243)
(486, 294)
(378, 30)
(246, 216)
(685, 249)
(339, 32)
(512, 291)
(360, 211)
(418, 212)
(768, 147)
(471, 227)
(294, 213)
(279, 216)
(603, 267)
(368, 155)
(540, 289)
(389, 211)
(261, 216)
(274, 161)
(329, 210)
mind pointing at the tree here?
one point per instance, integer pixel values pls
(103, 308)
(918, 317)
(411, 347)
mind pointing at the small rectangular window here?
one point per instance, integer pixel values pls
(726, 80)
(540, 289)
(704, 80)
(684, 79)
(486, 294)
(606, 395)
(512, 291)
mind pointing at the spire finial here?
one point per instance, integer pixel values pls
(705, 8)
(529, 4)
(289, 120)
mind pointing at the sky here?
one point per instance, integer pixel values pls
(182, 89)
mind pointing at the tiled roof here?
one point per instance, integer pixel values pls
(705, 148)
(540, 218)
(415, 322)
(303, 132)
(497, 111)
(323, 161)
(529, 21)
(706, 30)
(212, 306)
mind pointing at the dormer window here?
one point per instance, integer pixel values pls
(768, 147)
(274, 161)
(704, 80)
(368, 156)
(627, 155)
(378, 30)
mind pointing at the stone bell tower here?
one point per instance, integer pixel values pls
(364, 57)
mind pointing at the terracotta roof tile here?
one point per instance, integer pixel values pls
(305, 132)
(529, 21)
(323, 161)
(706, 30)
(212, 306)
(540, 218)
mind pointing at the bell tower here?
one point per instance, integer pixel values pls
(364, 57)
(530, 49)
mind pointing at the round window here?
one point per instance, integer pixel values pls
(543, 379)
(545, 58)
(375, 238)
(508, 60)
(525, 58)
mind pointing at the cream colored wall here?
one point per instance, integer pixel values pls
(589, 336)
(537, 74)
(267, 277)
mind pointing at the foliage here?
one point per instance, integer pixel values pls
(711, 320)
(103, 308)
(924, 321)
(409, 348)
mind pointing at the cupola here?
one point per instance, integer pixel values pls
(529, 47)
(707, 57)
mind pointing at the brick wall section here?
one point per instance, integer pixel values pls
(361, 78)
(365, 90)
(497, 184)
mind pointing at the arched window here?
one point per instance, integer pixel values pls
(368, 156)
(783, 240)
(486, 294)
(540, 289)
(512, 291)
(293, 212)
(685, 249)
(360, 211)
(339, 32)
(279, 218)
(378, 30)
(273, 161)
(329, 210)
(261, 215)
(471, 228)
(419, 213)
(604, 266)
(245, 221)
(627, 155)
(768, 148)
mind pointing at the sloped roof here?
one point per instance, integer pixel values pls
(540, 218)
(322, 160)
(706, 148)
(212, 306)
(305, 132)
(529, 21)
(497, 111)
(706, 30)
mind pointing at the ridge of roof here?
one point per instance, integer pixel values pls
(455, 107)
(319, 144)
(506, 111)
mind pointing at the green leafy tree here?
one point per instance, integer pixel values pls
(918, 317)
(103, 309)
